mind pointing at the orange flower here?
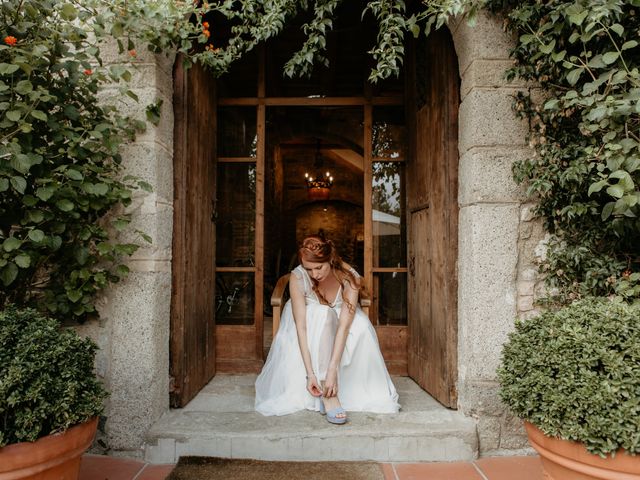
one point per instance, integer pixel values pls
(88, 71)
(10, 40)
(205, 25)
(206, 33)
(133, 52)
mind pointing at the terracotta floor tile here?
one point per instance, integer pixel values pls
(387, 469)
(96, 467)
(155, 472)
(437, 471)
(508, 468)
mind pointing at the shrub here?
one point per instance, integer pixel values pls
(47, 382)
(575, 374)
(584, 171)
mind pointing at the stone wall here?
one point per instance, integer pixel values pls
(133, 330)
(497, 232)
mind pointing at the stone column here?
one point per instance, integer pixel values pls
(135, 313)
(491, 138)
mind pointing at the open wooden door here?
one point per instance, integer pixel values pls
(433, 218)
(192, 297)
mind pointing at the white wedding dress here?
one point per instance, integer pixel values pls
(363, 380)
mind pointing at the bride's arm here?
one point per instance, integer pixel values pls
(300, 318)
(348, 311)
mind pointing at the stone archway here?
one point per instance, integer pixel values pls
(496, 275)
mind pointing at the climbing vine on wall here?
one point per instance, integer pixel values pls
(585, 130)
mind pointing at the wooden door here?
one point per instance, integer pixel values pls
(433, 218)
(192, 298)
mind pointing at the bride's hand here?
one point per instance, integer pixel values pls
(313, 386)
(331, 383)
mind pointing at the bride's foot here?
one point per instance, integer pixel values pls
(335, 412)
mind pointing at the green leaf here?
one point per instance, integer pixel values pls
(23, 87)
(8, 68)
(101, 189)
(45, 193)
(23, 260)
(596, 187)
(619, 29)
(574, 75)
(65, 205)
(35, 216)
(74, 295)
(68, 12)
(9, 273)
(29, 200)
(145, 186)
(10, 244)
(39, 115)
(578, 18)
(14, 115)
(122, 270)
(55, 242)
(74, 174)
(616, 191)
(82, 255)
(610, 57)
(547, 48)
(4, 184)
(19, 184)
(36, 235)
(120, 223)
(607, 210)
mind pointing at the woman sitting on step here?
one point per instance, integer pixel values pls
(325, 356)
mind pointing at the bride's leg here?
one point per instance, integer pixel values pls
(325, 347)
(324, 356)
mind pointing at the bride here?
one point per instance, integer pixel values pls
(325, 355)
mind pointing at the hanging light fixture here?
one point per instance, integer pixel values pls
(318, 185)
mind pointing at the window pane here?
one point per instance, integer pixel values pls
(388, 208)
(235, 225)
(242, 78)
(389, 133)
(235, 297)
(237, 132)
(390, 298)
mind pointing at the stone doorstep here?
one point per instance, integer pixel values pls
(221, 422)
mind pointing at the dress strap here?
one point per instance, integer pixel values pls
(302, 276)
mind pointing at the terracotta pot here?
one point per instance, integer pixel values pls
(567, 460)
(54, 457)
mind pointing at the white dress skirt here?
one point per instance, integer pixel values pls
(364, 384)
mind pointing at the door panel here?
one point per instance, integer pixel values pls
(192, 299)
(433, 216)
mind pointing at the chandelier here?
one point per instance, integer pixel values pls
(318, 185)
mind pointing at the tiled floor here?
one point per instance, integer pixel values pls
(95, 467)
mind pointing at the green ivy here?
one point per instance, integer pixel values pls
(59, 160)
(575, 374)
(47, 382)
(585, 173)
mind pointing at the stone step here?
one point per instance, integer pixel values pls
(221, 422)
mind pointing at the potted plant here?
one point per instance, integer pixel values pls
(573, 375)
(50, 397)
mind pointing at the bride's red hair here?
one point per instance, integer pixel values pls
(317, 249)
